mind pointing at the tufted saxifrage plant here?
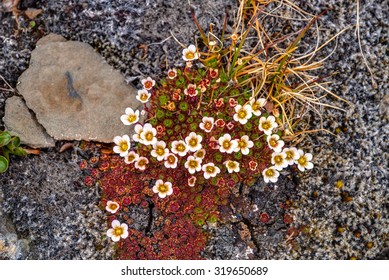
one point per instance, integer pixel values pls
(229, 116)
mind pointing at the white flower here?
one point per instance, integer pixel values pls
(148, 135)
(270, 174)
(200, 154)
(141, 163)
(163, 188)
(279, 160)
(159, 150)
(130, 116)
(117, 231)
(170, 161)
(148, 83)
(244, 144)
(143, 95)
(122, 145)
(179, 147)
(191, 90)
(112, 206)
(210, 170)
(291, 155)
(207, 124)
(257, 105)
(303, 162)
(267, 124)
(242, 113)
(172, 73)
(136, 136)
(232, 166)
(131, 157)
(226, 144)
(193, 164)
(190, 53)
(275, 143)
(193, 141)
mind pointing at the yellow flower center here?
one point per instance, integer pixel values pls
(131, 118)
(278, 159)
(242, 114)
(266, 125)
(242, 144)
(131, 157)
(148, 84)
(171, 74)
(118, 231)
(163, 188)
(208, 125)
(226, 144)
(289, 155)
(193, 142)
(149, 136)
(193, 164)
(142, 162)
(199, 154)
(171, 159)
(273, 142)
(113, 206)
(180, 147)
(231, 164)
(255, 106)
(143, 97)
(302, 161)
(269, 173)
(189, 55)
(160, 151)
(124, 146)
(210, 169)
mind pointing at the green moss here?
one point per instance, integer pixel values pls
(238, 156)
(198, 210)
(169, 114)
(160, 114)
(212, 219)
(181, 117)
(194, 113)
(168, 123)
(184, 106)
(198, 199)
(177, 128)
(200, 221)
(248, 126)
(180, 81)
(163, 99)
(153, 122)
(190, 120)
(169, 132)
(258, 144)
(193, 127)
(218, 157)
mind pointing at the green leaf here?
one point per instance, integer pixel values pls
(5, 138)
(15, 141)
(3, 164)
(19, 152)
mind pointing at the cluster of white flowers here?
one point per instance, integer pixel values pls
(191, 146)
(281, 159)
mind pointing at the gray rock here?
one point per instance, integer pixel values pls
(21, 122)
(74, 93)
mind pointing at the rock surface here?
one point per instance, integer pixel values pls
(20, 122)
(74, 93)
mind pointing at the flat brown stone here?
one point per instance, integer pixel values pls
(74, 93)
(20, 122)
